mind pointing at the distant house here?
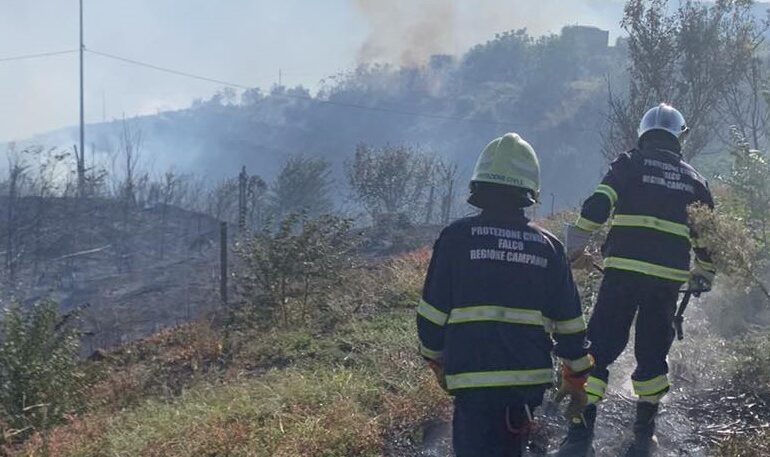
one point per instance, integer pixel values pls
(585, 37)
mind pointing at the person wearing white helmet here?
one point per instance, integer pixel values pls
(495, 282)
(644, 197)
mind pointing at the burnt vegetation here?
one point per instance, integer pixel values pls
(331, 201)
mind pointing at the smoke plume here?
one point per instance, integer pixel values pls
(407, 32)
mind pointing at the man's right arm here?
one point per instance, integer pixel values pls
(596, 209)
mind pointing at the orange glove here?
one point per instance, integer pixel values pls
(438, 370)
(573, 384)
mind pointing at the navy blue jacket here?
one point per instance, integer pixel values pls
(646, 193)
(498, 292)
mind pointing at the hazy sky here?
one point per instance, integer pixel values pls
(242, 41)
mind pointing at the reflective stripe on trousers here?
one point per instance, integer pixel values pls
(507, 378)
(650, 269)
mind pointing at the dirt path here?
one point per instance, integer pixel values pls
(702, 408)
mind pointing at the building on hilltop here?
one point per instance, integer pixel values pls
(586, 37)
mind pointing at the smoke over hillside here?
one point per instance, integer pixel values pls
(407, 39)
(407, 33)
(448, 105)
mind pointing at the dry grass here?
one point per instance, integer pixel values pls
(405, 276)
(159, 366)
(348, 392)
(758, 446)
(336, 412)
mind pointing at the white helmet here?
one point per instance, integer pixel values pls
(664, 117)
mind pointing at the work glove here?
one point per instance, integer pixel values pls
(438, 371)
(700, 279)
(573, 384)
(575, 242)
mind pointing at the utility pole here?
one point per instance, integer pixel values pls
(81, 159)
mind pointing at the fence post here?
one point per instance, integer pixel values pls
(242, 183)
(223, 263)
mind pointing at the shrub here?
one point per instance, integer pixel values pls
(749, 181)
(733, 249)
(288, 272)
(40, 377)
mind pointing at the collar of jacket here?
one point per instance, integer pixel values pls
(663, 144)
(503, 214)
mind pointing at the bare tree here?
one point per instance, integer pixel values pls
(391, 179)
(16, 171)
(441, 189)
(222, 200)
(256, 201)
(690, 58)
(49, 181)
(193, 195)
(80, 161)
(447, 176)
(168, 193)
(131, 142)
(744, 105)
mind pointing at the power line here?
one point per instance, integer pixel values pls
(36, 56)
(167, 70)
(185, 74)
(299, 97)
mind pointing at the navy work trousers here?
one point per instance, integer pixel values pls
(622, 296)
(493, 422)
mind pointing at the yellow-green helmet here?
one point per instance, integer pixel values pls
(509, 161)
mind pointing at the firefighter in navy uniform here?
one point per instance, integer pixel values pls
(645, 196)
(498, 292)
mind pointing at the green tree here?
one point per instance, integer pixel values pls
(287, 271)
(736, 233)
(689, 56)
(749, 179)
(303, 185)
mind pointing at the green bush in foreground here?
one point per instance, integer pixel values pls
(40, 377)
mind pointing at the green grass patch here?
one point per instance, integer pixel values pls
(346, 394)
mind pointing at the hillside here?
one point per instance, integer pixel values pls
(138, 269)
(358, 388)
(550, 89)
